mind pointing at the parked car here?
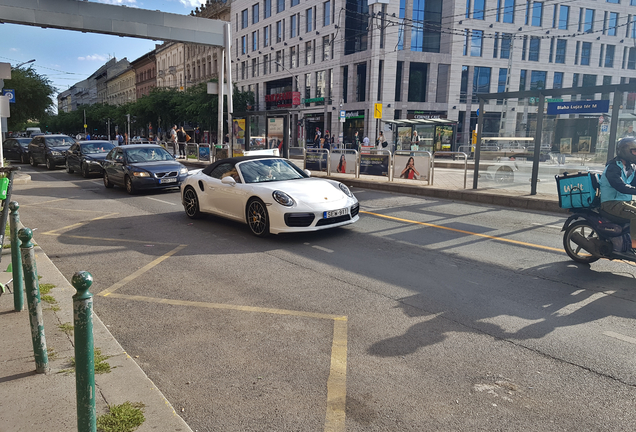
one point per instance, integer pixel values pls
(49, 150)
(142, 167)
(87, 157)
(269, 194)
(16, 149)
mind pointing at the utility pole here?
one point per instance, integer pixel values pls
(128, 117)
(85, 124)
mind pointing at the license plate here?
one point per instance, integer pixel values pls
(168, 180)
(335, 213)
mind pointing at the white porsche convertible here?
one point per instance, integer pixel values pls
(270, 194)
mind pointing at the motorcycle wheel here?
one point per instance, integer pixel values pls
(574, 251)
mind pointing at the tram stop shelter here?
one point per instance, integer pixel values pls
(431, 134)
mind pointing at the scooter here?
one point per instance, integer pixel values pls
(590, 234)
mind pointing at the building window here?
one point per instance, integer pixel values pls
(575, 80)
(398, 81)
(613, 21)
(551, 50)
(294, 26)
(495, 50)
(320, 86)
(243, 44)
(244, 19)
(503, 78)
(326, 48)
(309, 20)
(479, 9)
(309, 58)
(631, 59)
(506, 38)
(418, 77)
(524, 48)
(255, 16)
(400, 44)
(557, 82)
(586, 53)
(265, 63)
(537, 14)
(307, 87)
(356, 26)
(509, 11)
(609, 56)
(588, 24)
(293, 57)
(266, 41)
(345, 83)
(280, 6)
(535, 47)
(463, 89)
(564, 17)
(267, 5)
(561, 48)
(254, 68)
(476, 43)
(279, 61)
(295, 2)
(361, 87)
(254, 41)
(279, 31)
(481, 81)
(522, 79)
(326, 13)
(427, 19)
(537, 80)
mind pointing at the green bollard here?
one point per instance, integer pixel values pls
(32, 288)
(84, 355)
(16, 258)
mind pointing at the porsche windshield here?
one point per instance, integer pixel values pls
(266, 170)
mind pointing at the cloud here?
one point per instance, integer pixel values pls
(97, 57)
(14, 49)
(191, 3)
(129, 3)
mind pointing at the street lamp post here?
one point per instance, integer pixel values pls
(23, 63)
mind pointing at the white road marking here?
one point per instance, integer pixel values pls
(161, 201)
(619, 336)
(324, 249)
(548, 226)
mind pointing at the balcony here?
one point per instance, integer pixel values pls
(161, 74)
(172, 70)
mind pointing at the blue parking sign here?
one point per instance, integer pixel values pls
(10, 93)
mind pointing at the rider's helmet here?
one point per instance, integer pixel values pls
(626, 149)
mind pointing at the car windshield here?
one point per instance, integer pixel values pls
(148, 154)
(97, 147)
(60, 142)
(266, 170)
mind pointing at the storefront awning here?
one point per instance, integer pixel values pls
(407, 122)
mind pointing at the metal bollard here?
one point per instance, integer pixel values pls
(16, 258)
(84, 355)
(32, 288)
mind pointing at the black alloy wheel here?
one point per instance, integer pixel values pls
(85, 171)
(32, 161)
(68, 168)
(191, 203)
(24, 158)
(49, 163)
(257, 217)
(574, 251)
(107, 181)
(130, 187)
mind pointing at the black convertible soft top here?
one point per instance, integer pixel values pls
(234, 160)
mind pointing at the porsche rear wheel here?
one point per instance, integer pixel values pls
(191, 203)
(257, 217)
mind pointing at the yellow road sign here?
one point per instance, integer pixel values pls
(377, 111)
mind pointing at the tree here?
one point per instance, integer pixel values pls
(33, 97)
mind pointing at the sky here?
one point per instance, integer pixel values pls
(66, 57)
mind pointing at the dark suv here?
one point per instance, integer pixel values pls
(49, 150)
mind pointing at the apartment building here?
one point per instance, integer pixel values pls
(423, 59)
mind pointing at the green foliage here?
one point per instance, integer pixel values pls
(122, 418)
(101, 365)
(33, 97)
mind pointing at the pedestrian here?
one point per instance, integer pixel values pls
(356, 141)
(629, 133)
(181, 139)
(365, 142)
(88, 137)
(382, 144)
(173, 140)
(317, 142)
(120, 139)
(125, 138)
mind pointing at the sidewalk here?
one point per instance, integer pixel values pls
(47, 402)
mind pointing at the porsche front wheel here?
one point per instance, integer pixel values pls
(257, 217)
(191, 203)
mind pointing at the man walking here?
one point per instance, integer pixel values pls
(173, 140)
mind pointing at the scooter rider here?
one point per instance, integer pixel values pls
(618, 184)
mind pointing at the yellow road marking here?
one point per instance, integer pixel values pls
(71, 210)
(501, 239)
(51, 233)
(45, 202)
(80, 223)
(141, 271)
(337, 381)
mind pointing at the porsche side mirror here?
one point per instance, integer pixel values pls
(228, 180)
(307, 172)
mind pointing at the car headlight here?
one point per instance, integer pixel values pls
(283, 199)
(56, 153)
(91, 161)
(345, 189)
(183, 171)
(141, 174)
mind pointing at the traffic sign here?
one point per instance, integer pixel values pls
(377, 111)
(10, 93)
(343, 116)
(85, 126)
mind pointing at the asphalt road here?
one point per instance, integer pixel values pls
(425, 315)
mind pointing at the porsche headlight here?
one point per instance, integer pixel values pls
(141, 174)
(345, 189)
(56, 153)
(283, 199)
(183, 171)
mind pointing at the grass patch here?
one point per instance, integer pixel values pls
(48, 299)
(66, 328)
(122, 418)
(51, 354)
(55, 308)
(101, 365)
(46, 288)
